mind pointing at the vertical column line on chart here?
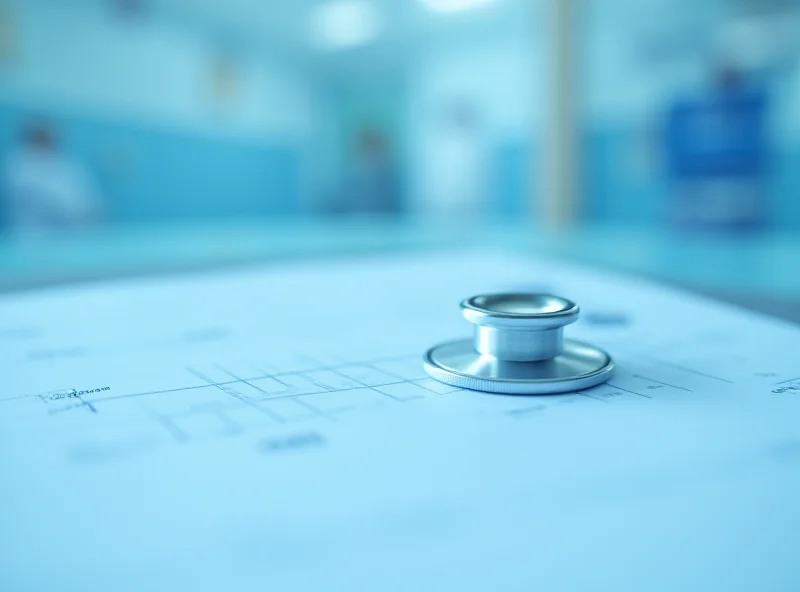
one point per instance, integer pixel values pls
(297, 399)
(235, 395)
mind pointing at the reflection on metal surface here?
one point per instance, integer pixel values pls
(518, 348)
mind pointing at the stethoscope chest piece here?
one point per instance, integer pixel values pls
(519, 349)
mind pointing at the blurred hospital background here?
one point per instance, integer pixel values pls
(656, 136)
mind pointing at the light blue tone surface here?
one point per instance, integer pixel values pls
(759, 265)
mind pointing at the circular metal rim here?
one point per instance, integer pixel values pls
(570, 308)
(519, 321)
(505, 386)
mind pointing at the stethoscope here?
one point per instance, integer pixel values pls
(518, 348)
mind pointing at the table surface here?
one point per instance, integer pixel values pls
(759, 270)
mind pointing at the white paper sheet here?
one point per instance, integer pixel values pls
(272, 428)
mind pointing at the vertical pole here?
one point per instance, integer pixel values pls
(558, 164)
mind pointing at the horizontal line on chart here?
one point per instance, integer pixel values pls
(629, 391)
(685, 369)
(789, 380)
(662, 383)
(262, 377)
(287, 396)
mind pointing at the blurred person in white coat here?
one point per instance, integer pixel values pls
(45, 189)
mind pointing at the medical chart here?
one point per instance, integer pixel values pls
(271, 428)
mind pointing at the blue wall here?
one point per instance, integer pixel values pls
(511, 181)
(611, 193)
(784, 194)
(614, 192)
(148, 173)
